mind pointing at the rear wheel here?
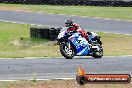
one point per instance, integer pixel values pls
(98, 53)
(66, 52)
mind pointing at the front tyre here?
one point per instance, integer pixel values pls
(68, 54)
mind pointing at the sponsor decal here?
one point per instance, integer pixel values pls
(83, 78)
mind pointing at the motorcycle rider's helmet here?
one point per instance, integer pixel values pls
(68, 22)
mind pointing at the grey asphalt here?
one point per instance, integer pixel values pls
(53, 20)
(50, 68)
(21, 69)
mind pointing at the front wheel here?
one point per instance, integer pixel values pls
(66, 52)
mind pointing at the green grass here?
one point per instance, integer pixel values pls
(92, 11)
(116, 45)
(15, 42)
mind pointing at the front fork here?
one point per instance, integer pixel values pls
(69, 48)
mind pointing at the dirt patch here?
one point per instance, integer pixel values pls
(13, 8)
(58, 84)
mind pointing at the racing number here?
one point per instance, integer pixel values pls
(78, 41)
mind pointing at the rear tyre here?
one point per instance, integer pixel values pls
(98, 54)
(64, 51)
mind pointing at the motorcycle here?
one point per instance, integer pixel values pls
(73, 44)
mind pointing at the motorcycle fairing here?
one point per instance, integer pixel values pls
(80, 43)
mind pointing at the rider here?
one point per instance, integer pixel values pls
(75, 27)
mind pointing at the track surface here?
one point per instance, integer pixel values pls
(21, 69)
(53, 20)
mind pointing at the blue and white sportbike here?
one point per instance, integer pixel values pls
(73, 44)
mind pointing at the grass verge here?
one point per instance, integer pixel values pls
(58, 84)
(15, 42)
(92, 11)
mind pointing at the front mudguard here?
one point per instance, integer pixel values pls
(62, 40)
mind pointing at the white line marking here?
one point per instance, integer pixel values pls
(63, 57)
(114, 19)
(112, 32)
(20, 22)
(119, 56)
(41, 79)
(50, 26)
(9, 80)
